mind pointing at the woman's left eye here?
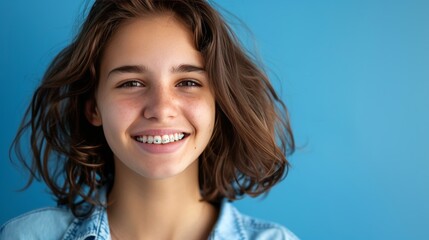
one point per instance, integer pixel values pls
(188, 83)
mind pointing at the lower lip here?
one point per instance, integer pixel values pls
(161, 148)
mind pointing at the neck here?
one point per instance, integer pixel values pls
(159, 209)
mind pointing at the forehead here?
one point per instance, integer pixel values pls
(151, 39)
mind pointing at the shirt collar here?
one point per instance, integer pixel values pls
(96, 227)
(228, 225)
(93, 227)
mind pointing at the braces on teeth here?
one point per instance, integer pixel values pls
(164, 139)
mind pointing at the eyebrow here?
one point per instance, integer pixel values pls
(128, 69)
(182, 68)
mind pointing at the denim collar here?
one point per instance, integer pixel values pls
(93, 227)
(96, 226)
(229, 224)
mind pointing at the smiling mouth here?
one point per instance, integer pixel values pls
(161, 139)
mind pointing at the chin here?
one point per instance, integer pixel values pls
(169, 170)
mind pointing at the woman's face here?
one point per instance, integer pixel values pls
(154, 99)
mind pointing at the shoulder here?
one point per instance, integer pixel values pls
(234, 225)
(45, 223)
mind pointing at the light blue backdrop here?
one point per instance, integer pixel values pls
(355, 76)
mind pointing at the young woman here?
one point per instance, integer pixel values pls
(146, 123)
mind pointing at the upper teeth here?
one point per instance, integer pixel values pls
(158, 139)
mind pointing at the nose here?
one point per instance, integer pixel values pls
(160, 104)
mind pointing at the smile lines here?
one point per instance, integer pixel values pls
(157, 139)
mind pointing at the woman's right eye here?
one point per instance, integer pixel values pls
(131, 84)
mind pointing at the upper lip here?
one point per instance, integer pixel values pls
(158, 132)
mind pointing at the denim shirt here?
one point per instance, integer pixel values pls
(59, 223)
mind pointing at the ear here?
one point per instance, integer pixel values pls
(92, 113)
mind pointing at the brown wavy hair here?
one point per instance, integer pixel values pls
(252, 136)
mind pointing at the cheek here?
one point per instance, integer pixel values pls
(202, 114)
(118, 113)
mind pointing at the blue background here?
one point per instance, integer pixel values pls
(354, 74)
